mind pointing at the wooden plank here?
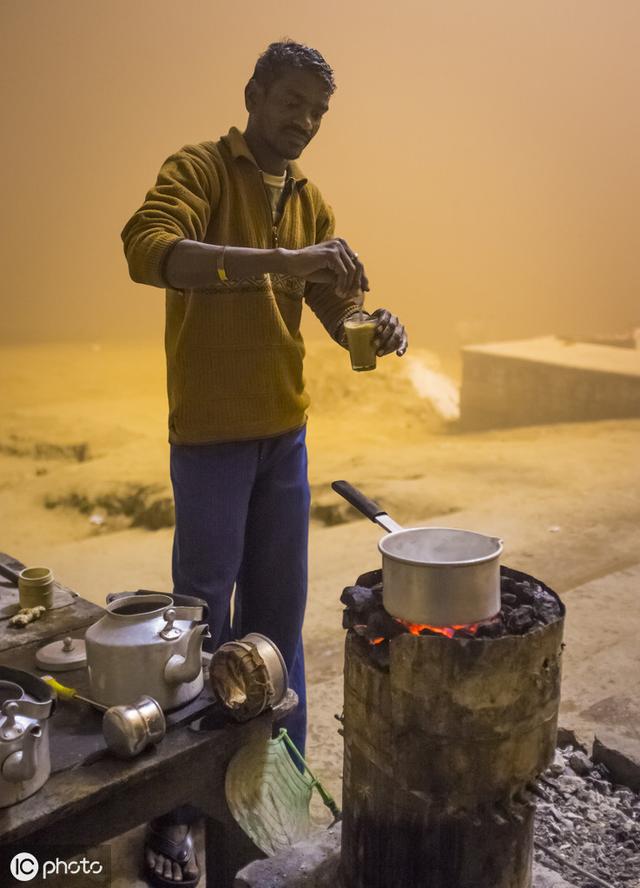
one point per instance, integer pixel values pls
(70, 613)
(175, 772)
(91, 805)
(75, 729)
(16, 566)
(10, 598)
(88, 804)
(54, 624)
(9, 601)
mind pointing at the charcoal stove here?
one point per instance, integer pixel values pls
(445, 728)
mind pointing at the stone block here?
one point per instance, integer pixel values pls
(569, 737)
(546, 878)
(312, 863)
(547, 380)
(621, 755)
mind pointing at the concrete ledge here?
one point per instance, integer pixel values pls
(547, 380)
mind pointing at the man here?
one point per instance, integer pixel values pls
(240, 238)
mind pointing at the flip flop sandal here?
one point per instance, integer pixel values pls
(179, 852)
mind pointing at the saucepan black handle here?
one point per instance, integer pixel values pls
(358, 500)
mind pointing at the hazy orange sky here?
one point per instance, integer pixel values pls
(482, 157)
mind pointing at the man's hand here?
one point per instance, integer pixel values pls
(331, 261)
(390, 334)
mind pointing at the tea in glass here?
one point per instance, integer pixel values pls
(360, 332)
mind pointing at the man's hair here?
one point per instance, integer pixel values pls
(287, 54)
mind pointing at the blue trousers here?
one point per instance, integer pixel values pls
(242, 518)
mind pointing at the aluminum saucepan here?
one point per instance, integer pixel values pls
(438, 576)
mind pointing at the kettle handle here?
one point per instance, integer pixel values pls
(194, 614)
(189, 601)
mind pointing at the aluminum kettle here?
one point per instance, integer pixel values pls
(147, 643)
(25, 705)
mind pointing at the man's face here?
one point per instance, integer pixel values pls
(289, 113)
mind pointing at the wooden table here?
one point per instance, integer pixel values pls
(86, 804)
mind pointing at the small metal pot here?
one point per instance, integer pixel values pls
(438, 576)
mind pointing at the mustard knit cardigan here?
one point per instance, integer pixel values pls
(234, 349)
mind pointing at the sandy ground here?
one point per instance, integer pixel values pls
(566, 500)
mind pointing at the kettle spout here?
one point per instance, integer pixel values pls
(21, 765)
(181, 669)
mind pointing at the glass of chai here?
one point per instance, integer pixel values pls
(360, 330)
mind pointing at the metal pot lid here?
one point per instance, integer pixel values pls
(62, 655)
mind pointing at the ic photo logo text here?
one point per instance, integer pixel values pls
(24, 867)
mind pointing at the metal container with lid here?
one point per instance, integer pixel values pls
(35, 587)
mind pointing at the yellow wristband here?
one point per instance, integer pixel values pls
(222, 274)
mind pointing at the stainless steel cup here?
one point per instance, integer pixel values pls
(128, 730)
